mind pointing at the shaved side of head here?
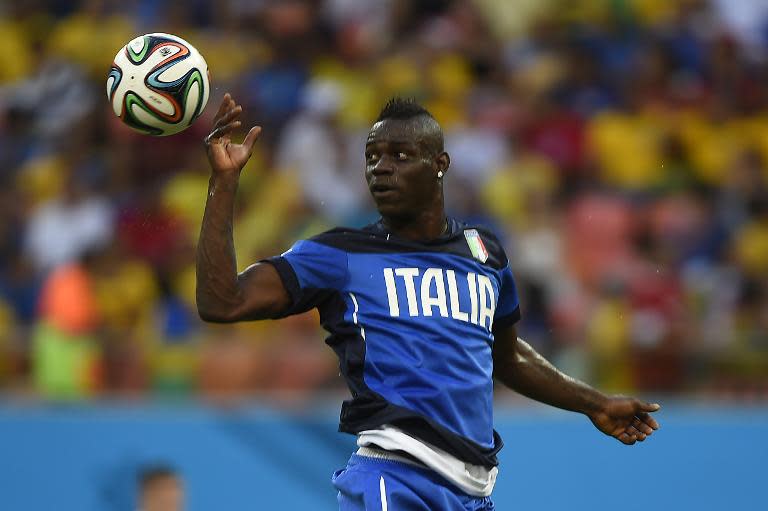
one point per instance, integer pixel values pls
(423, 127)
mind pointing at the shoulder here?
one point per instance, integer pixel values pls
(338, 242)
(317, 261)
(472, 241)
(479, 237)
(342, 238)
(367, 239)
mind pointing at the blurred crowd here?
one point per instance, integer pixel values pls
(619, 147)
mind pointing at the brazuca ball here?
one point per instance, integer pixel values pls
(158, 84)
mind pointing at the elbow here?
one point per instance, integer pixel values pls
(211, 316)
(232, 314)
(217, 307)
(213, 313)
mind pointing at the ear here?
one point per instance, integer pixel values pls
(442, 162)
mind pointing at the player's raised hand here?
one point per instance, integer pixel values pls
(626, 419)
(223, 155)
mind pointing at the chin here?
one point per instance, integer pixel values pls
(393, 212)
(388, 210)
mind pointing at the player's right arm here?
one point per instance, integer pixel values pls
(223, 295)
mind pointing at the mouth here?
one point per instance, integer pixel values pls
(382, 190)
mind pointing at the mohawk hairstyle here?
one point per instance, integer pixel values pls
(402, 108)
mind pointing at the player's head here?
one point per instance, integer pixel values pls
(405, 161)
(160, 489)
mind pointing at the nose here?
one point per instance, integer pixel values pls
(384, 165)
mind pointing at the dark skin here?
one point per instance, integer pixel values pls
(163, 494)
(403, 162)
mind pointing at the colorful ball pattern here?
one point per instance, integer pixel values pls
(158, 84)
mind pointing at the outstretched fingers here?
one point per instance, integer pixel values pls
(635, 432)
(228, 120)
(642, 426)
(229, 115)
(223, 155)
(223, 106)
(225, 121)
(626, 438)
(222, 131)
(648, 420)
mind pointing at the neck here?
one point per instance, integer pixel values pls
(425, 226)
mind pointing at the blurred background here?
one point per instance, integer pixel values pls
(619, 148)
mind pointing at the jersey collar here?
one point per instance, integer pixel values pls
(454, 227)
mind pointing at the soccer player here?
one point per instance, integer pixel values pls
(421, 311)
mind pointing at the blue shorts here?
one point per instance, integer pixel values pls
(372, 484)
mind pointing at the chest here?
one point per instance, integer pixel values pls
(425, 287)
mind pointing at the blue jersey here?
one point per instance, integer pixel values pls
(412, 326)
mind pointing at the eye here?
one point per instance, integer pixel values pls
(401, 156)
(371, 157)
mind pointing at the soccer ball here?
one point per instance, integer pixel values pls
(158, 84)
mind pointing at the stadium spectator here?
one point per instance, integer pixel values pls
(620, 148)
(62, 229)
(160, 489)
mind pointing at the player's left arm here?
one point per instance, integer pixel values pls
(521, 368)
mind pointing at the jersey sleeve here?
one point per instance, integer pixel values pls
(310, 271)
(508, 308)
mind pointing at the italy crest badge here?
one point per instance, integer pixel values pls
(476, 245)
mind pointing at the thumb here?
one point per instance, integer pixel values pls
(649, 407)
(251, 138)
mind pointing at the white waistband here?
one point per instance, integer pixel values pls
(472, 479)
(381, 454)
